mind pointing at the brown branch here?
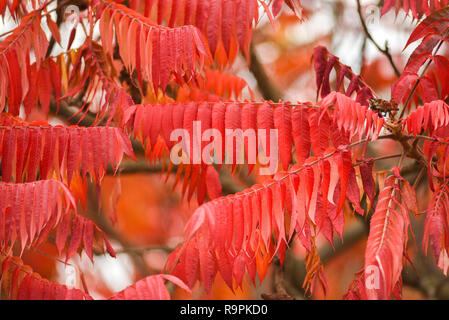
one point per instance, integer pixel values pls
(279, 285)
(268, 90)
(140, 250)
(385, 51)
(69, 114)
(379, 159)
(141, 166)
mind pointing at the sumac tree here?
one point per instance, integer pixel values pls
(127, 76)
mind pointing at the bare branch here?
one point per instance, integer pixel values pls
(385, 51)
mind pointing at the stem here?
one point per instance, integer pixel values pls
(410, 96)
(401, 160)
(386, 50)
(419, 177)
(269, 92)
(380, 159)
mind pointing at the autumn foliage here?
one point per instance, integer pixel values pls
(87, 152)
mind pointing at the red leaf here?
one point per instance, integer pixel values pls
(283, 123)
(213, 183)
(76, 237)
(366, 172)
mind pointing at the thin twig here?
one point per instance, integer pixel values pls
(386, 50)
(379, 159)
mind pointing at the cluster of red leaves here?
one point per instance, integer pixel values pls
(357, 288)
(19, 282)
(152, 50)
(431, 116)
(352, 117)
(230, 234)
(15, 66)
(92, 71)
(436, 229)
(432, 85)
(18, 8)
(224, 23)
(43, 81)
(32, 147)
(150, 288)
(29, 211)
(417, 7)
(387, 241)
(305, 126)
(324, 62)
(84, 234)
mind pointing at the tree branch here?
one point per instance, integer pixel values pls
(385, 51)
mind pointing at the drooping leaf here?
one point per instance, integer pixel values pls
(324, 62)
(19, 282)
(386, 242)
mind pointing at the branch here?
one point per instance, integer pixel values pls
(385, 51)
(412, 92)
(98, 217)
(268, 90)
(279, 285)
(140, 250)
